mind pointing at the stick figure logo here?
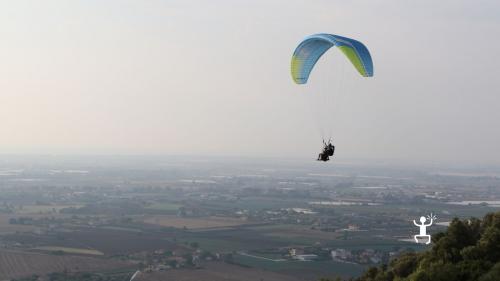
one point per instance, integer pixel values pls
(423, 227)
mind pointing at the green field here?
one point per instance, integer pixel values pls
(44, 209)
(217, 245)
(70, 250)
(442, 210)
(257, 203)
(164, 206)
(322, 268)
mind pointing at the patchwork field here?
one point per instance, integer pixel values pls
(164, 206)
(296, 233)
(192, 223)
(107, 241)
(44, 209)
(300, 269)
(15, 264)
(216, 272)
(79, 251)
(234, 240)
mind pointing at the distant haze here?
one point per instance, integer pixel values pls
(212, 78)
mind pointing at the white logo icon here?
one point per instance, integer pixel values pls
(423, 227)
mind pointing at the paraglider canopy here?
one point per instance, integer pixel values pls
(313, 47)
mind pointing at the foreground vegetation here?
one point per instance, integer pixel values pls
(469, 250)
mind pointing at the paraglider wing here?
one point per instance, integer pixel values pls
(313, 47)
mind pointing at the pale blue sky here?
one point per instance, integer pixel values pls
(212, 77)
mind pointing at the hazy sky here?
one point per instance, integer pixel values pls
(212, 77)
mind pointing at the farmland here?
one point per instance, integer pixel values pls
(108, 242)
(68, 250)
(164, 206)
(217, 272)
(219, 221)
(14, 264)
(302, 270)
(43, 209)
(192, 223)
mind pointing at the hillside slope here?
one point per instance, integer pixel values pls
(469, 250)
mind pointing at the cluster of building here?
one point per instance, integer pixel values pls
(161, 260)
(302, 257)
(365, 256)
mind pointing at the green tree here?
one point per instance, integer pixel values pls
(469, 250)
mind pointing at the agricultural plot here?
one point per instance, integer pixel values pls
(216, 272)
(109, 242)
(192, 223)
(15, 264)
(164, 207)
(44, 209)
(78, 251)
(297, 233)
(234, 240)
(302, 269)
(260, 237)
(216, 244)
(256, 203)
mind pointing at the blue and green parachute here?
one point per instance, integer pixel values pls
(313, 47)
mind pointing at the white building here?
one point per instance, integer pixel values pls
(310, 257)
